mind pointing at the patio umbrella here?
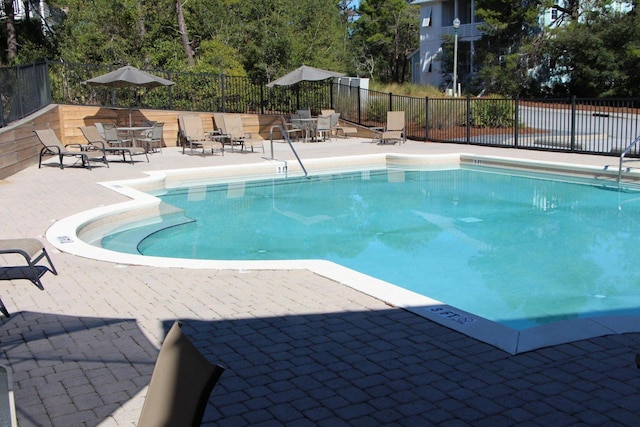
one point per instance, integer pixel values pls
(304, 73)
(129, 76)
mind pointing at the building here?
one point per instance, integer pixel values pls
(436, 20)
(32, 9)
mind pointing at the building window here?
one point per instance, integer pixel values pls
(426, 21)
(554, 14)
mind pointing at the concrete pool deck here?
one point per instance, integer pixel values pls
(299, 348)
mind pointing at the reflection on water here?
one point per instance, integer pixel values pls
(519, 250)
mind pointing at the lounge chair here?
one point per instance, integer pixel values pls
(323, 128)
(96, 141)
(153, 140)
(234, 128)
(304, 114)
(335, 119)
(193, 135)
(100, 127)
(32, 250)
(291, 128)
(395, 129)
(233, 132)
(181, 383)
(53, 147)
(112, 136)
(221, 132)
(337, 128)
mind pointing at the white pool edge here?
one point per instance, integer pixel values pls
(63, 235)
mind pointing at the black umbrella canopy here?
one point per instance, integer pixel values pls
(129, 76)
(304, 73)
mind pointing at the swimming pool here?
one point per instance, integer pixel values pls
(519, 250)
(451, 242)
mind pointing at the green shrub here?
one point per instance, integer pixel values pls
(493, 112)
(376, 110)
(444, 114)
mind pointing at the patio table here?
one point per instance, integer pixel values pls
(131, 130)
(309, 126)
(225, 139)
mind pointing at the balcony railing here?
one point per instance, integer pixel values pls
(466, 31)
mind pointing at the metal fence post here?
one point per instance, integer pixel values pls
(223, 100)
(47, 80)
(468, 119)
(573, 123)
(262, 100)
(426, 119)
(170, 91)
(359, 106)
(17, 94)
(390, 101)
(331, 96)
(516, 130)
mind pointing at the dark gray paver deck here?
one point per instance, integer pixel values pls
(299, 349)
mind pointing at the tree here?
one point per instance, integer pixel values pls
(387, 30)
(184, 34)
(260, 38)
(10, 30)
(599, 56)
(507, 51)
(276, 36)
(589, 50)
(100, 31)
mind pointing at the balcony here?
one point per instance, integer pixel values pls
(466, 31)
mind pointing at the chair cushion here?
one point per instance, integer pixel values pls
(181, 383)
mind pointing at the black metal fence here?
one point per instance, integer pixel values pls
(24, 90)
(599, 126)
(596, 126)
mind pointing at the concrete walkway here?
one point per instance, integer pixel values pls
(299, 349)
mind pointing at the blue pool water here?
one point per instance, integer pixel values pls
(521, 251)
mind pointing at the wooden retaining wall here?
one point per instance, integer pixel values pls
(19, 147)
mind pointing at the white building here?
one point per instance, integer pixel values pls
(35, 9)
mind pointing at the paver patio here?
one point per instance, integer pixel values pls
(299, 349)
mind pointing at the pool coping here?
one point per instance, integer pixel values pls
(64, 235)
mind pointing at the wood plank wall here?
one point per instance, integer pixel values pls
(76, 116)
(19, 148)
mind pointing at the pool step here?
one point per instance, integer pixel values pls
(127, 241)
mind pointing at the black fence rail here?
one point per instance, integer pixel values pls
(598, 126)
(369, 108)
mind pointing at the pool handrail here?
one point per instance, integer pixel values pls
(624, 153)
(286, 138)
